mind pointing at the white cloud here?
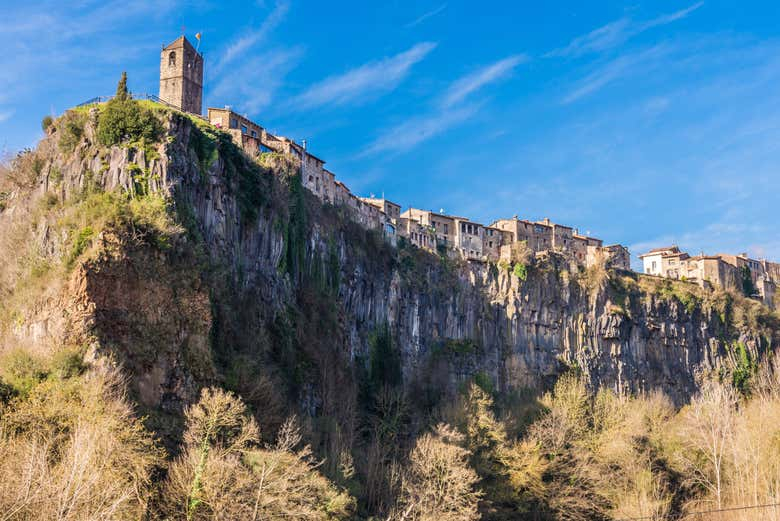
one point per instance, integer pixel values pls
(364, 81)
(430, 14)
(470, 83)
(5, 115)
(415, 131)
(616, 33)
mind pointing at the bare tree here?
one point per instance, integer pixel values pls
(73, 452)
(438, 483)
(223, 473)
(706, 434)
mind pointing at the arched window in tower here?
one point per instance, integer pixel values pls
(172, 59)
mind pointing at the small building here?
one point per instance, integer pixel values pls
(584, 248)
(469, 239)
(342, 193)
(443, 226)
(616, 256)
(391, 209)
(519, 230)
(664, 262)
(421, 235)
(561, 236)
(328, 186)
(493, 241)
(244, 132)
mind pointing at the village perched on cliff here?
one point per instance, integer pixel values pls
(181, 87)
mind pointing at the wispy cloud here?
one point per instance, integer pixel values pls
(616, 33)
(365, 81)
(470, 83)
(447, 112)
(251, 38)
(417, 130)
(250, 56)
(430, 14)
(52, 39)
(267, 70)
(6, 115)
(614, 70)
(669, 18)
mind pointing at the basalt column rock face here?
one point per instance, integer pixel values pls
(482, 319)
(269, 279)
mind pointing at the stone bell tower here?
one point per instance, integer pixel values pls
(181, 76)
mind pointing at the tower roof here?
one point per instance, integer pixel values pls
(179, 43)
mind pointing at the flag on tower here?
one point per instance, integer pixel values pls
(197, 36)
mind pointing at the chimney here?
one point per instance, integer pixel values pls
(303, 143)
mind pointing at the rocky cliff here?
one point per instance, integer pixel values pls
(261, 287)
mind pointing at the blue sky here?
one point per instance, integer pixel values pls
(641, 123)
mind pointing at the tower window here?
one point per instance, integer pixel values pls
(172, 59)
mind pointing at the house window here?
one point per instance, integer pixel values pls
(445, 229)
(243, 129)
(462, 227)
(490, 244)
(233, 123)
(172, 59)
(254, 134)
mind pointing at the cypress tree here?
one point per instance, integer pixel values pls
(121, 89)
